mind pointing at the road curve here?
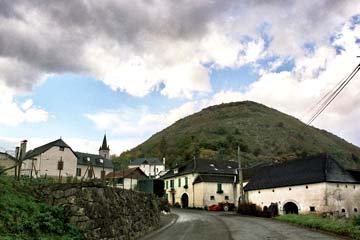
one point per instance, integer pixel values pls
(203, 225)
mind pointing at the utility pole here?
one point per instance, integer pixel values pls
(241, 197)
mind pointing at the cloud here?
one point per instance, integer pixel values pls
(292, 91)
(14, 113)
(166, 46)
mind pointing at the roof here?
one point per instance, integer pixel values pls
(355, 174)
(104, 145)
(8, 156)
(203, 166)
(313, 169)
(37, 151)
(82, 159)
(127, 173)
(149, 161)
(216, 178)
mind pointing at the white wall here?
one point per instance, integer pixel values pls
(97, 171)
(325, 197)
(129, 184)
(150, 170)
(47, 163)
(199, 194)
(7, 162)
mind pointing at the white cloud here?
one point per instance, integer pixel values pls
(292, 92)
(13, 114)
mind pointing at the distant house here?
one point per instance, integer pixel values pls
(92, 165)
(7, 161)
(56, 159)
(202, 182)
(152, 167)
(314, 184)
(126, 178)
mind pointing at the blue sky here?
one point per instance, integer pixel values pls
(63, 77)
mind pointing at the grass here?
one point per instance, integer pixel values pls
(22, 216)
(346, 227)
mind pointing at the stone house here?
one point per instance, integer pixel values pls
(7, 161)
(316, 184)
(126, 178)
(202, 182)
(152, 167)
(48, 159)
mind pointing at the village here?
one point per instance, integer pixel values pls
(314, 184)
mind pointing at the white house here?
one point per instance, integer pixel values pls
(314, 184)
(56, 159)
(126, 178)
(152, 167)
(202, 182)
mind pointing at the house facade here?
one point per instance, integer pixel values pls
(126, 178)
(57, 159)
(201, 183)
(7, 161)
(152, 167)
(316, 184)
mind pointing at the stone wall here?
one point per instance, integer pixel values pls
(104, 212)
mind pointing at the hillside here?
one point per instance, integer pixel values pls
(264, 134)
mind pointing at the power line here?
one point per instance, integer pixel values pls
(331, 95)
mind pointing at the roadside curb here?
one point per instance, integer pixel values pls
(162, 228)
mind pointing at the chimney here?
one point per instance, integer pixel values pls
(23, 149)
(164, 161)
(17, 152)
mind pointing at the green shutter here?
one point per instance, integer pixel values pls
(172, 183)
(167, 184)
(179, 182)
(186, 181)
(219, 187)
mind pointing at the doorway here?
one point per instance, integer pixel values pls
(291, 208)
(184, 201)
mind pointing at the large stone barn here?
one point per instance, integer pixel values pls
(316, 184)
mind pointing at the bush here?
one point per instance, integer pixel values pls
(24, 217)
(356, 221)
(250, 209)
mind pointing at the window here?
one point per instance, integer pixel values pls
(259, 192)
(219, 188)
(226, 197)
(212, 198)
(120, 181)
(273, 190)
(355, 210)
(167, 184)
(78, 172)
(186, 181)
(345, 186)
(179, 182)
(61, 149)
(171, 183)
(343, 210)
(312, 209)
(307, 187)
(289, 188)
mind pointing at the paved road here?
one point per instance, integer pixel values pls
(203, 225)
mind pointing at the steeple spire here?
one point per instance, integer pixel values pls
(104, 145)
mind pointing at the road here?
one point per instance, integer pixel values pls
(203, 225)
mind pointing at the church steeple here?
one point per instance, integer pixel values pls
(104, 149)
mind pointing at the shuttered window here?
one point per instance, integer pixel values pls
(179, 182)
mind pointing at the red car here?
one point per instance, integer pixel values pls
(222, 207)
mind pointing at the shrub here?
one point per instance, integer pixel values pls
(250, 209)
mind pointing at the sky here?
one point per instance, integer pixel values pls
(79, 69)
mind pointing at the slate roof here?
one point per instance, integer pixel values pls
(129, 172)
(216, 178)
(37, 151)
(94, 159)
(355, 174)
(8, 156)
(313, 169)
(204, 166)
(151, 161)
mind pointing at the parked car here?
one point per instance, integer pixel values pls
(222, 206)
